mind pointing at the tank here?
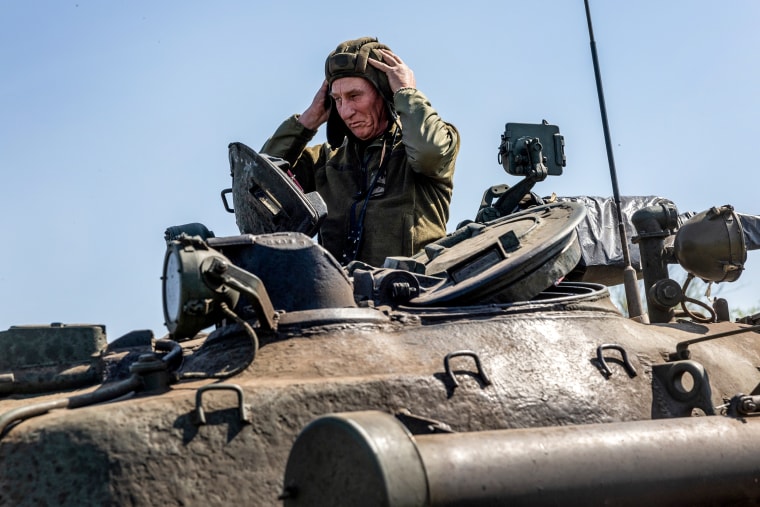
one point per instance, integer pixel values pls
(492, 368)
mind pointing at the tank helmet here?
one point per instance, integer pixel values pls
(350, 60)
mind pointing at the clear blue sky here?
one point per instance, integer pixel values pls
(116, 116)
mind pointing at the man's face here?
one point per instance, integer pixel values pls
(360, 106)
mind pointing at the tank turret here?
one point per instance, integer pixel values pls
(492, 367)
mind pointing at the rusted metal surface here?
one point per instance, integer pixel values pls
(42, 358)
(476, 338)
(540, 360)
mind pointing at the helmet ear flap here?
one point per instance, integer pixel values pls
(336, 129)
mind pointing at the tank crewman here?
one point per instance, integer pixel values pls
(386, 171)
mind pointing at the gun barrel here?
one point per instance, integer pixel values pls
(360, 457)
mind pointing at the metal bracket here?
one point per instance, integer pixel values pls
(419, 425)
(447, 366)
(199, 416)
(603, 364)
(224, 200)
(687, 386)
(744, 405)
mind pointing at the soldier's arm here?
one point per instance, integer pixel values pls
(431, 143)
(290, 142)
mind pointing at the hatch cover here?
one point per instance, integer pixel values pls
(510, 259)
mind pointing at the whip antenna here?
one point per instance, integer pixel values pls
(629, 274)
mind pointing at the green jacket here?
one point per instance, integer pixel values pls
(406, 210)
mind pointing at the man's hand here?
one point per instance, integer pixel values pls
(399, 74)
(319, 110)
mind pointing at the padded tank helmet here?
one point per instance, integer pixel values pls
(350, 60)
